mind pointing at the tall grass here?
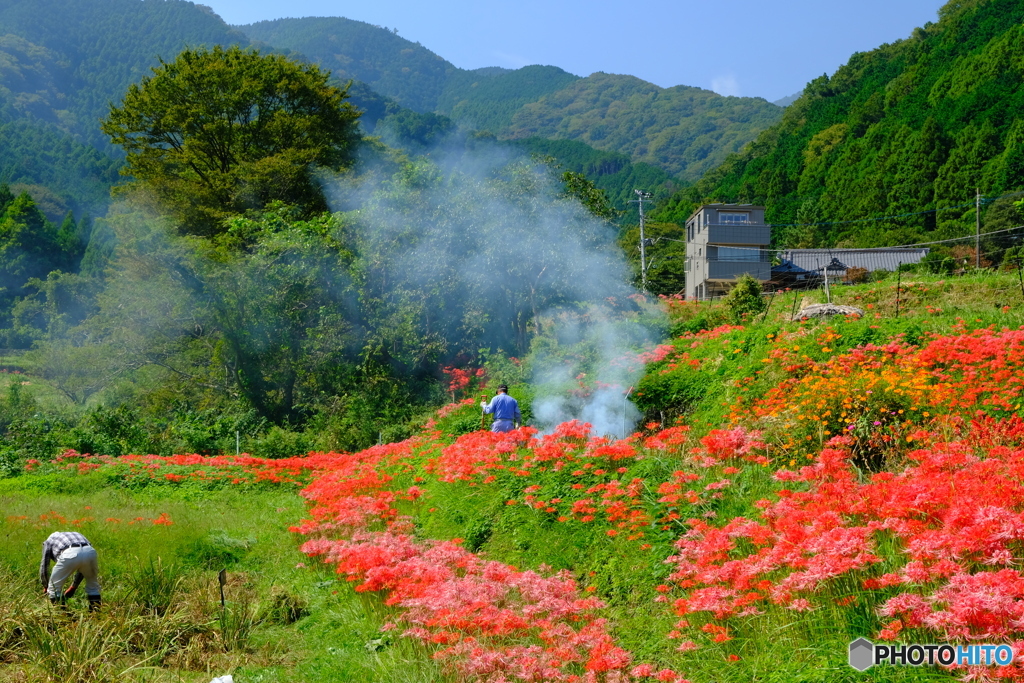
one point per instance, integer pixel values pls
(156, 585)
(70, 643)
(161, 618)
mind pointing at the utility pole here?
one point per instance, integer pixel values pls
(899, 281)
(641, 196)
(1020, 277)
(828, 294)
(977, 228)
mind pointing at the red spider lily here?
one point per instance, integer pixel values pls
(951, 513)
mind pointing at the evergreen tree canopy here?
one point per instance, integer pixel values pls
(217, 132)
(29, 247)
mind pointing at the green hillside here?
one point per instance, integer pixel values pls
(409, 73)
(488, 100)
(405, 71)
(61, 64)
(610, 171)
(912, 126)
(73, 176)
(63, 61)
(683, 130)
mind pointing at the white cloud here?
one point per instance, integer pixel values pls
(510, 60)
(726, 84)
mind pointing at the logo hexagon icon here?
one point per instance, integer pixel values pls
(861, 654)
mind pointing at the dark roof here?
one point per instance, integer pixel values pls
(839, 260)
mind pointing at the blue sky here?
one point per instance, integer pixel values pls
(735, 47)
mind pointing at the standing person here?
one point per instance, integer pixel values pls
(505, 410)
(71, 552)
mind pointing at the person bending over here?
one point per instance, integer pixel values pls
(72, 554)
(505, 410)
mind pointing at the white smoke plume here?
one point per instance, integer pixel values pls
(591, 381)
(484, 249)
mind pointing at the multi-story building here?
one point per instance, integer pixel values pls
(724, 241)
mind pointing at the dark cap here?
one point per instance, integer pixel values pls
(503, 387)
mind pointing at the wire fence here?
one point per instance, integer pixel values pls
(1003, 286)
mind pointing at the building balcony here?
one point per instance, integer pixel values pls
(738, 233)
(725, 254)
(732, 270)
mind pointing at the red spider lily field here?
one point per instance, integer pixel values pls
(795, 486)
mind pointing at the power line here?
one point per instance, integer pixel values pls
(897, 246)
(978, 201)
(954, 239)
(986, 200)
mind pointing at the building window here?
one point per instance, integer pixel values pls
(733, 217)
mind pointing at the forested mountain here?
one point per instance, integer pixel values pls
(409, 73)
(62, 173)
(63, 61)
(683, 130)
(61, 64)
(487, 99)
(912, 126)
(788, 100)
(405, 71)
(610, 171)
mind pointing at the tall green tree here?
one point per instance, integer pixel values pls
(285, 333)
(217, 132)
(588, 194)
(28, 248)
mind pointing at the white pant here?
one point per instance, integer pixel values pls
(82, 559)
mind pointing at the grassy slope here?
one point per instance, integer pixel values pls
(813, 647)
(339, 640)
(927, 304)
(243, 530)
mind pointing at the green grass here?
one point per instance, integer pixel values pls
(283, 623)
(778, 646)
(32, 386)
(926, 304)
(161, 618)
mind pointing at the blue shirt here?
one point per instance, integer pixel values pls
(504, 407)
